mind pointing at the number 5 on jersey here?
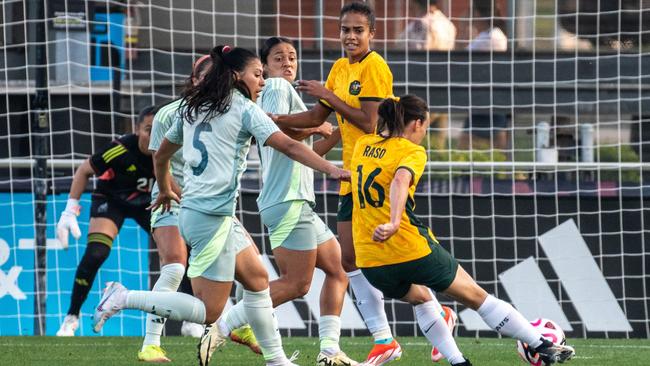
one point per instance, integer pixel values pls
(364, 189)
(199, 145)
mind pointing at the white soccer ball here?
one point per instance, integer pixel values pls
(551, 331)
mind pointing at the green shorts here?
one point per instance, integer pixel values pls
(294, 225)
(436, 271)
(345, 208)
(168, 218)
(215, 242)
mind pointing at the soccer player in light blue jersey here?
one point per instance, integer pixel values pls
(300, 240)
(219, 117)
(164, 228)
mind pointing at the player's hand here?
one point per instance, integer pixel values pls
(164, 201)
(340, 174)
(273, 117)
(384, 231)
(325, 129)
(313, 88)
(68, 223)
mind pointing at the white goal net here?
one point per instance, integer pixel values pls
(538, 150)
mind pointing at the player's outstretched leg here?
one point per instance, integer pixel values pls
(450, 319)
(97, 250)
(505, 319)
(258, 306)
(170, 277)
(328, 259)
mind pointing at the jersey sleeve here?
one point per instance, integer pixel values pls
(376, 81)
(258, 124)
(414, 161)
(175, 132)
(277, 99)
(102, 161)
(158, 129)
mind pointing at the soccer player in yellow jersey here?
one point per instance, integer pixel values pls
(395, 251)
(354, 88)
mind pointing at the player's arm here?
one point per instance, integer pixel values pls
(299, 134)
(304, 155)
(310, 118)
(174, 185)
(157, 135)
(399, 189)
(80, 180)
(162, 158)
(365, 118)
(323, 146)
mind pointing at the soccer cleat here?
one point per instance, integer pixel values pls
(283, 361)
(550, 352)
(113, 300)
(244, 335)
(69, 326)
(339, 359)
(189, 329)
(450, 319)
(466, 363)
(153, 353)
(210, 340)
(382, 354)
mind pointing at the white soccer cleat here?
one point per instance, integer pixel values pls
(450, 319)
(69, 326)
(284, 361)
(113, 300)
(210, 340)
(339, 359)
(189, 329)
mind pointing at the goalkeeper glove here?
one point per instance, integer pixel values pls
(68, 223)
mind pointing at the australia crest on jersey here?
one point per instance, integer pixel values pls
(355, 88)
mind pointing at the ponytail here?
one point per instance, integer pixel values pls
(396, 113)
(213, 94)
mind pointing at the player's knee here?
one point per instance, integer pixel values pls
(348, 264)
(97, 251)
(301, 287)
(338, 275)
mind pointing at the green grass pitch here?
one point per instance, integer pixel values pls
(114, 351)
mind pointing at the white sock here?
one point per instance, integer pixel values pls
(234, 318)
(503, 318)
(169, 280)
(434, 328)
(436, 304)
(329, 332)
(170, 305)
(259, 312)
(370, 303)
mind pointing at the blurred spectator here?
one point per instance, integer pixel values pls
(431, 31)
(488, 130)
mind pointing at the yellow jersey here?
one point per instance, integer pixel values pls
(374, 163)
(370, 79)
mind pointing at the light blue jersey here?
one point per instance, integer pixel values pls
(162, 122)
(215, 153)
(283, 178)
